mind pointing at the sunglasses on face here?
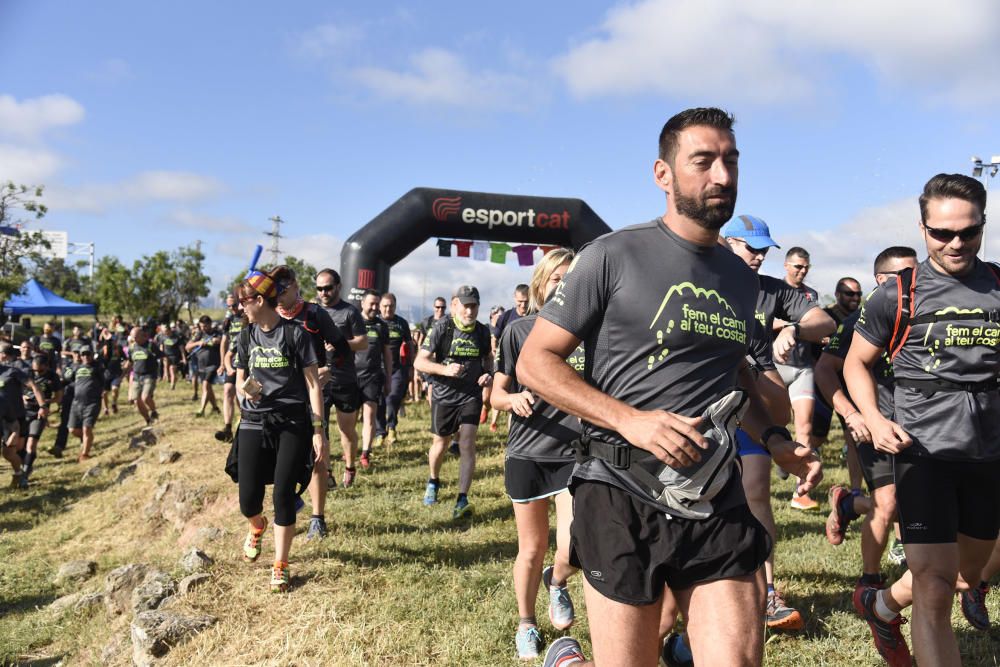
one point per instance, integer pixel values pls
(245, 300)
(324, 288)
(947, 235)
(850, 293)
(438, 307)
(752, 250)
(800, 267)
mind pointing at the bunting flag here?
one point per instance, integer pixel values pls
(498, 252)
(463, 247)
(480, 250)
(444, 248)
(525, 255)
(495, 252)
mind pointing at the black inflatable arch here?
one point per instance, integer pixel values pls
(423, 213)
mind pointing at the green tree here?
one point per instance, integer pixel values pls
(305, 275)
(61, 278)
(115, 288)
(190, 281)
(20, 250)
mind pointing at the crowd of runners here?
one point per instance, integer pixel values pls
(648, 380)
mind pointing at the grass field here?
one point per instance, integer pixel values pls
(395, 583)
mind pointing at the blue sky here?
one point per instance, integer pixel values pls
(155, 124)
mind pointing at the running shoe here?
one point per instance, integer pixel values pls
(317, 529)
(225, 435)
(560, 604)
(668, 656)
(57, 452)
(197, 413)
(780, 616)
(15, 480)
(804, 503)
(114, 409)
(251, 545)
(430, 494)
(107, 412)
(349, 474)
(528, 641)
(154, 415)
(462, 508)
(299, 504)
(974, 607)
(888, 639)
(22, 482)
(366, 461)
(836, 523)
(390, 438)
(484, 414)
(860, 585)
(493, 428)
(896, 554)
(563, 652)
(453, 448)
(280, 577)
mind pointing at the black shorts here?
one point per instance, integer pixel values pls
(527, 480)
(445, 419)
(344, 397)
(372, 388)
(938, 499)
(22, 425)
(876, 466)
(208, 373)
(83, 414)
(629, 551)
(36, 426)
(172, 361)
(230, 378)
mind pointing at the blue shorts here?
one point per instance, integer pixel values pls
(746, 446)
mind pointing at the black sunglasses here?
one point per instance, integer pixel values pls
(850, 293)
(947, 235)
(325, 288)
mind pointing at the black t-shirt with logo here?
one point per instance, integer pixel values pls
(840, 345)
(953, 425)
(170, 345)
(48, 384)
(88, 383)
(666, 324)
(399, 334)
(470, 347)
(111, 351)
(370, 362)
(319, 324)
(546, 434)
(77, 344)
(13, 382)
(50, 346)
(275, 359)
(348, 319)
(144, 359)
(207, 353)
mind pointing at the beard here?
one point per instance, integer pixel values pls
(709, 215)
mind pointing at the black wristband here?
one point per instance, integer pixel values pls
(771, 430)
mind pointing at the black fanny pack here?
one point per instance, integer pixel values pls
(930, 387)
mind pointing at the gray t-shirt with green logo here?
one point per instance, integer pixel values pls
(545, 435)
(840, 345)
(953, 425)
(275, 359)
(666, 325)
(469, 348)
(348, 319)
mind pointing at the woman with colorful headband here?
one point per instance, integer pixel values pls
(281, 428)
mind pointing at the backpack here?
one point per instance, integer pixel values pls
(906, 285)
(443, 346)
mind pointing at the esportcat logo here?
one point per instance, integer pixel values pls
(443, 208)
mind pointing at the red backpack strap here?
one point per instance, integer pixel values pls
(906, 284)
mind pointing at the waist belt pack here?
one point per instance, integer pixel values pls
(929, 387)
(688, 492)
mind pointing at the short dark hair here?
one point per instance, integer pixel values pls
(371, 292)
(891, 253)
(522, 289)
(708, 116)
(330, 272)
(441, 298)
(954, 186)
(796, 251)
(205, 319)
(843, 282)
(390, 296)
(283, 274)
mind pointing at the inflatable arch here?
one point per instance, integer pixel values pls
(423, 213)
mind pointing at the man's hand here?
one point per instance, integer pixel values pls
(320, 448)
(671, 438)
(221, 371)
(324, 375)
(452, 370)
(856, 425)
(799, 460)
(784, 342)
(888, 436)
(520, 403)
(485, 380)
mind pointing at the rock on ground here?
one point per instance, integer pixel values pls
(176, 502)
(195, 559)
(168, 456)
(192, 581)
(120, 583)
(155, 587)
(75, 571)
(155, 632)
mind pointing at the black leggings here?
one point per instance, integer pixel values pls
(258, 464)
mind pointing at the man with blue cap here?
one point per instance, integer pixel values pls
(750, 238)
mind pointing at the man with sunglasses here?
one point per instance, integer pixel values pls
(440, 310)
(945, 433)
(342, 391)
(749, 238)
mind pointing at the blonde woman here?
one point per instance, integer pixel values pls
(537, 469)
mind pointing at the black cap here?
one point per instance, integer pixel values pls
(467, 295)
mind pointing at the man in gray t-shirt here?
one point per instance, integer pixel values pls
(665, 316)
(945, 435)
(342, 392)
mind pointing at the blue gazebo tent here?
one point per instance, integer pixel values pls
(35, 299)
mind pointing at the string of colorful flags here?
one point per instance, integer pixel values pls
(494, 252)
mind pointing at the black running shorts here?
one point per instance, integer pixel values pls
(876, 466)
(208, 373)
(371, 388)
(83, 415)
(36, 425)
(230, 378)
(938, 499)
(527, 480)
(344, 397)
(629, 551)
(445, 419)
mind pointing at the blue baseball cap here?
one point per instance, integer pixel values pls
(751, 229)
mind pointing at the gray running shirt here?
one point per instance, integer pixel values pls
(666, 324)
(275, 359)
(840, 345)
(399, 334)
(348, 319)
(370, 363)
(472, 350)
(545, 435)
(953, 425)
(795, 303)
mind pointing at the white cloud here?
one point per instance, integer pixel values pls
(207, 223)
(761, 51)
(148, 186)
(32, 166)
(439, 77)
(28, 119)
(328, 40)
(320, 250)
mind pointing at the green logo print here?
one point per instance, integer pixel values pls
(710, 321)
(267, 357)
(956, 335)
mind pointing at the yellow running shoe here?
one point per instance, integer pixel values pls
(251, 545)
